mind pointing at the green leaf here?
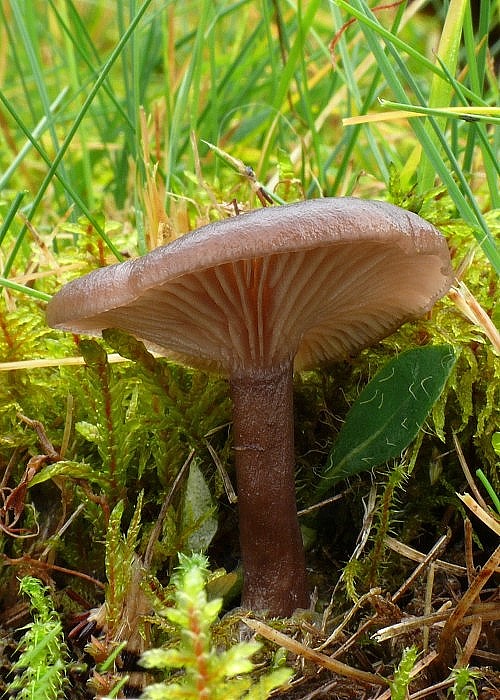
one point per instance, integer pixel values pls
(236, 659)
(72, 470)
(389, 412)
(495, 441)
(89, 431)
(268, 683)
(197, 514)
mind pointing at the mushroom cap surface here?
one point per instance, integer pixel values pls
(316, 281)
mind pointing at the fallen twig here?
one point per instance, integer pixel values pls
(315, 656)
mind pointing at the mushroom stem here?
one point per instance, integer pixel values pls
(271, 543)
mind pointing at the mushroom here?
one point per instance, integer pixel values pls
(254, 297)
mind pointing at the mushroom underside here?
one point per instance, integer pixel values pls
(314, 304)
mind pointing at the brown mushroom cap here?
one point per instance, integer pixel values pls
(318, 280)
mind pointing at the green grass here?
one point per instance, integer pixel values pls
(253, 78)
